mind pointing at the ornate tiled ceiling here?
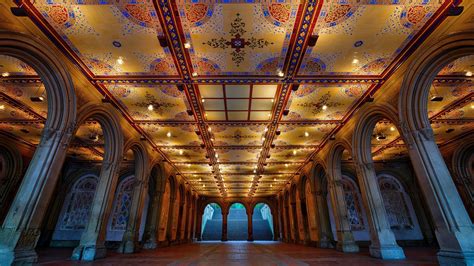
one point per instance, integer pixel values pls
(230, 92)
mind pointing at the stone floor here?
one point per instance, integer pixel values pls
(240, 253)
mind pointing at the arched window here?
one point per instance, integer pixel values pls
(76, 209)
(394, 198)
(121, 209)
(353, 204)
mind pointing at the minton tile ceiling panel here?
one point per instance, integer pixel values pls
(238, 135)
(302, 135)
(111, 37)
(29, 132)
(449, 93)
(364, 37)
(227, 155)
(323, 102)
(172, 135)
(10, 66)
(237, 102)
(238, 38)
(22, 92)
(11, 113)
(152, 102)
(186, 155)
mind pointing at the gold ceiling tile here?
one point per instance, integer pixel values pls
(262, 104)
(211, 91)
(264, 91)
(23, 92)
(289, 155)
(213, 116)
(28, 132)
(211, 104)
(13, 66)
(186, 155)
(236, 168)
(172, 135)
(238, 135)
(237, 91)
(284, 168)
(238, 155)
(443, 95)
(187, 169)
(234, 116)
(260, 115)
(8, 112)
(239, 105)
(302, 135)
(444, 132)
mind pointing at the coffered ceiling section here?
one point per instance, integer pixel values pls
(110, 37)
(364, 37)
(237, 38)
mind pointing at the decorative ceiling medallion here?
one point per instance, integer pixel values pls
(238, 42)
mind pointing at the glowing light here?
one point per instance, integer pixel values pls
(194, 74)
(5, 74)
(200, 179)
(294, 152)
(274, 179)
(325, 107)
(266, 129)
(181, 152)
(168, 134)
(286, 165)
(203, 100)
(271, 185)
(392, 128)
(203, 185)
(2, 107)
(189, 165)
(254, 171)
(281, 74)
(150, 107)
(209, 129)
(306, 134)
(269, 114)
(355, 61)
(263, 138)
(469, 74)
(187, 45)
(120, 60)
(217, 155)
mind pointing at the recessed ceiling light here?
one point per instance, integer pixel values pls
(168, 134)
(217, 155)
(280, 73)
(2, 107)
(263, 138)
(5, 74)
(269, 114)
(209, 129)
(203, 100)
(469, 74)
(392, 128)
(187, 45)
(306, 134)
(274, 179)
(266, 129)
(355, 61)
(203, 185)
(325, 107)
(286, 165)
(150, 107)
(194, 74)
(254, 171)
(180, 152)
(120, 60)
(294, 152)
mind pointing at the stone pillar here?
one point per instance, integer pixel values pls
(453, 227)
(383, 243)
(345, 239)
(182, 221)
(92, 242)
(286, 217)
(250, 226)
(325, 232)
(173, 225)
(276, 226)
(224, 225)
(294, 218)
(21, 228)
(197, 230)
(151, 232)
(131, 236)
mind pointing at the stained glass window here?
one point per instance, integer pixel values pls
(122, 203)
(77, 205)
(354, 209)
(395, 204)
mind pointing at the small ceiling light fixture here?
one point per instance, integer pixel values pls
(266, 129)
(180, 152)
(436, 98)
(120, 60)
(280, 73)
(209, 129)
(150, 107)
(294, 152)
(449, 130)
(263, 138)
(217, 155)
(2, 107)
(392, 128)
(306, 134)
(203, 100)
(168, 134)
(325, 107)
(355, 61)
(203, 185)
(194, 74)
(37, 99)
(187, 45)
(274, 179)
(5, 74)
(286, 165)
(468, 73)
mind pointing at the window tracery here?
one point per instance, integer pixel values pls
(123, 201)
(354, 208)
(395, 204)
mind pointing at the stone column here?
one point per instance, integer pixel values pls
(295, 228)
(276, 226)
(197, 230)
(286, 216)
(21, 228)
(173, 225)
(92, 242)
(325, 232)
(182, 221)
(383, 243)
(453, 227)
(345, 239)
(250, 226)
(151, 232)
(224, 225)
(130, 237)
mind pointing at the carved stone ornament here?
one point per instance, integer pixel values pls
(407, 136)
(426, 133)
(68, 134)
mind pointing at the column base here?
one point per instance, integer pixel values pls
(23, 257)
(387, 252)
(325, 244)
(150, 244)
(455, 258)
(89, 253)
(347, 247)
(127, 247)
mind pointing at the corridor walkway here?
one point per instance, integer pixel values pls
(241, 253)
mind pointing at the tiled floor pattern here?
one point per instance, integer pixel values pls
(240, 253)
